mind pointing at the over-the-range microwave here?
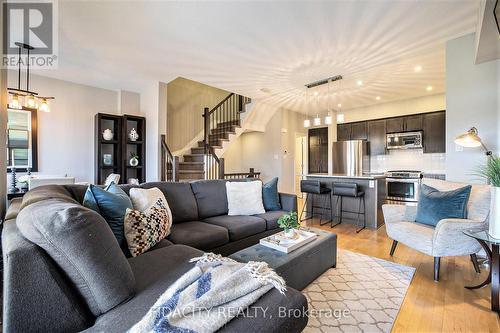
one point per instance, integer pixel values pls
(405, 140)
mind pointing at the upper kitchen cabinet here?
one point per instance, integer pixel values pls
(413, 123)
(434, 127)
(352, 131)
(359, 131)
(344, 132)
(318, 150)
(395, 125)
(377, 137)
(404, 124)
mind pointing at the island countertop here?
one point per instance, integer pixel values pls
(340, 175)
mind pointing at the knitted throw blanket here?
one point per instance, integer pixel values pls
(209, 295)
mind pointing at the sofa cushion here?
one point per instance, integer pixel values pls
(211, 197)
(82, 244)
(271, 218)
(435, 205)
(244, 198)
(200, 235)
(270, 196)
(180, 199)
(47, 192)
(112, 203)
(239, 226)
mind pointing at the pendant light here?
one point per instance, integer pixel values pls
(31, 98)
(307, 122)
(328, 118)
(317, 119)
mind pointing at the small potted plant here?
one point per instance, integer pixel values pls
(491, 172)
(289, 223)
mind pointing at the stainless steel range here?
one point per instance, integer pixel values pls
(402, 186)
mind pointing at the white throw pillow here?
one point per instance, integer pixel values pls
(143, 199)
(245, 198)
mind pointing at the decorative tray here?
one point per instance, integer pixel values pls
(281, 243)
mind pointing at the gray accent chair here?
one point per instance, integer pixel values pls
(447, 238)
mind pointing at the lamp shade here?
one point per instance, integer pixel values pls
(307, 123)
(469, 139)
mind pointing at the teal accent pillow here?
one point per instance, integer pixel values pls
(111, 203)
(270, 195)
(434, 205)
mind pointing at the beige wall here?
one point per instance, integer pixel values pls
(472, 98)
(66, 134)
(270, 152)
(186, 101)
(398, 108)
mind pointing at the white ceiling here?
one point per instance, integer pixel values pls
(275, 46)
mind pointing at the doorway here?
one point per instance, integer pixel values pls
(300, 161)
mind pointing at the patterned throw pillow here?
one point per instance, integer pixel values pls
(144, 229)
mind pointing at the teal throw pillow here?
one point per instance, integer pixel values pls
(434, 205)
(270, 195)
(111, 203)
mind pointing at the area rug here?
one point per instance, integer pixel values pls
(363, 294)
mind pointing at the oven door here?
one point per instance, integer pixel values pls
(402, 189)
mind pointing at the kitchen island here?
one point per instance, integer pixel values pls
(372, 184)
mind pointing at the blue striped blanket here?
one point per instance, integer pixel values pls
(209, 295)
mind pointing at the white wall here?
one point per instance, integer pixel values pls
(398, 108)
(66, 134)
(270, 152)
(472, 93)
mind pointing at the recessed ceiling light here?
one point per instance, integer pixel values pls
(418, 68)
(377, 98)
(316, 93)
(339, 105)
(429, 88)
(359, 83)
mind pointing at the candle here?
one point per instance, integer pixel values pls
(13, 161)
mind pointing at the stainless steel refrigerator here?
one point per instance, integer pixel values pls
(351, 157)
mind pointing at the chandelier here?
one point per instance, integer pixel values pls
(25, 98)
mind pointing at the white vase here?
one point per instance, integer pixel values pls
(494, 227)
(133, 135)
(107, 134)
(290, 233)
(134, 161)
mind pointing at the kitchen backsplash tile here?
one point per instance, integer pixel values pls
(413, 159)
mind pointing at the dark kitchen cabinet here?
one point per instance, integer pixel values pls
(434, 132)
(344, 132)
(318, 150)
(413, 123)
(377, 137)
(359, 131)
(395, 125)
(404, 124)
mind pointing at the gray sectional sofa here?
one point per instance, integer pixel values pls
(40, 292)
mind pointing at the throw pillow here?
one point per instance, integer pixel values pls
(244, 198)
(270, 195)
(144, 230)
(433, 205)
(112, 203)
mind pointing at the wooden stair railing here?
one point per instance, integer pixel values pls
(169, 163)
(243, 175)
(219, 123)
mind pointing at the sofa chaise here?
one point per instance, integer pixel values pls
(39, 295)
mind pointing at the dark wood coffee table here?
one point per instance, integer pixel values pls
(300, 267)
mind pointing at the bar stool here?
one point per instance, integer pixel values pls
(315, 188)
(349, 190)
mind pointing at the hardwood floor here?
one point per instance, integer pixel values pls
(444, 306)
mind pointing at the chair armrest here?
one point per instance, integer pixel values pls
(449, 239)
(288, 202)
(399, 213)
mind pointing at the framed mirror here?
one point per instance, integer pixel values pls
(22, 149)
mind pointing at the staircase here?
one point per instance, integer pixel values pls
(219, 123)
